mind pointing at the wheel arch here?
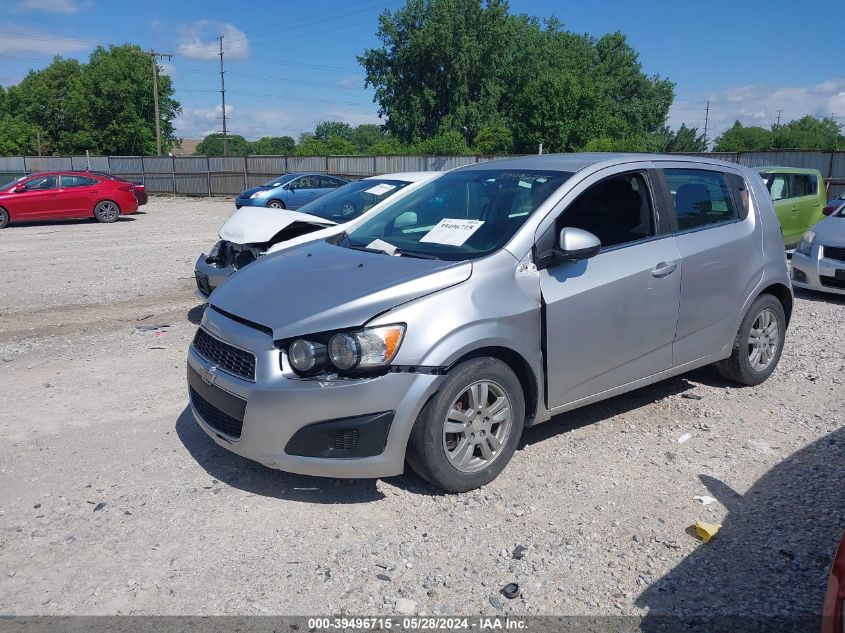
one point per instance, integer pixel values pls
(519, 366)
(782, 294)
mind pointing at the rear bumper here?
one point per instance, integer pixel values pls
(816, 272)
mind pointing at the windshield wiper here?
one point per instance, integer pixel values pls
(404, 253)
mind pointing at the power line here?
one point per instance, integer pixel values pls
(301, 82)
(288, 97)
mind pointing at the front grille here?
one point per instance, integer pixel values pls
(346, 440)
(215, 418)
(832, 282)
(227, 357)
(835, 252)
(202, 283)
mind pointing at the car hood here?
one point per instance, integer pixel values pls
(318, 287)
(248, 192)
(830, 231)
(254, 225)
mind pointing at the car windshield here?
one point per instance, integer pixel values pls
(11, 184)
(278, 181)
(461, 215)
(349, 201)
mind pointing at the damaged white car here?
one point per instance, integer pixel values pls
(254, 231)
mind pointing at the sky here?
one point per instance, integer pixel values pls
(290, 65)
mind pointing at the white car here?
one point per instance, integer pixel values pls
(255, 231)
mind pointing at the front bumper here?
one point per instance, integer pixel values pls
(278, 405)
(817, 272)
(250, 202)
(208, 276)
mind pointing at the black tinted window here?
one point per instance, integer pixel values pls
(700, 197)
(617, 210)
(77, 181)
(804, 185)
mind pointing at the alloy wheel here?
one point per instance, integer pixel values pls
(763, 340)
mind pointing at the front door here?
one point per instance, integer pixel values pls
(810, 203)
(303, 190)
(39, 200)
(610, 320)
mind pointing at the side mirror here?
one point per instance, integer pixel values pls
(572, 245)
(409, 218)
(19, 188)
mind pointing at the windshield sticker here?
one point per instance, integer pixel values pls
(381, 245)
(452, 232)
(380, 189)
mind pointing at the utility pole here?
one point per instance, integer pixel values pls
(38, 141)
(153, 58)
(706, 120)
(778, 123)
(223, 100)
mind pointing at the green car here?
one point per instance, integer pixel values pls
(799, 196)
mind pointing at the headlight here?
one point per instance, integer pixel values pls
(215, 250)
(257, 194)
(305, 355)
(806, 243)
(367, 349)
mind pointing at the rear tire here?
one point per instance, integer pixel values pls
(275, 204)
(4, 218)
(758, 343)
(107, 212)
(468, 431)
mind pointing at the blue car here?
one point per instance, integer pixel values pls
(289, 191)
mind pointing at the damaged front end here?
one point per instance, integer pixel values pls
(226, 257)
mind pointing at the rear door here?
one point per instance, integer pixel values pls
(610, 320)
(77, 195)
(721, 260)
(810, 200)
(786, 206)
(39, 200)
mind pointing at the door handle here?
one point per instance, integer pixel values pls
(663, 269)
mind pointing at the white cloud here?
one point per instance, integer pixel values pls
(253, 123)
(52, 6)
(759, 105)
(20, 40)
(199, 40)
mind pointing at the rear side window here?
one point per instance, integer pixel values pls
(804, 185)
(700, 198)
(77, 181)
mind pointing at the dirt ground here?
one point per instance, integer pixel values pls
(112, 501)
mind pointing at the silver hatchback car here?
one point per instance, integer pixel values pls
(487, 300)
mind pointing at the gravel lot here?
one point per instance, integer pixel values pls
(112, 501)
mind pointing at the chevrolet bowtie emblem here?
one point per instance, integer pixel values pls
(209, 375)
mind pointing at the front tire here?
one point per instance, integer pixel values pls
(758, 344)
(467, 433)
(4, 218)
(107, 212)
(275, 204)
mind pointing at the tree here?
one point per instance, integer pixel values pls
(461, 66)
(273, 146)
(365, 136)
(105, 106)
(327, 129)
(494, 138)
(212, 145)
(808, 133)
(445, 143)
(739, 138)
(685, 139)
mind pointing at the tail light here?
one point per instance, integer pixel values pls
(829, 209)
(126, 187)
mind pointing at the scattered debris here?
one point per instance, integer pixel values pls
(519, 552)
(37, 505)
(405, 606)
(383, 577)
(496, 603)
(684, 438)
(706, 531)
(510, 590)
(152, 327)
(705, 499)
(99, 506)
(144, 318)
(157, 347)
(692, 396)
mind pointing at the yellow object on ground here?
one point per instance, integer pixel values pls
(706, 531)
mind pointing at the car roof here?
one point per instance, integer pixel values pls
(68, 172)
(577, 161)
(787, 170)
(407, 176)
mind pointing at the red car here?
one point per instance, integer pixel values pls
(66, 194)
(833, 613)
